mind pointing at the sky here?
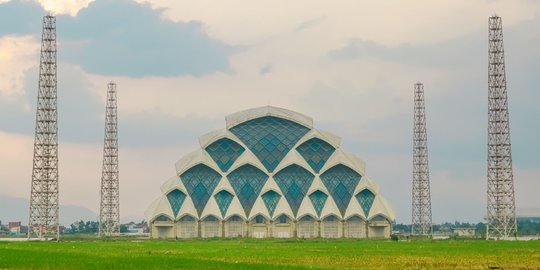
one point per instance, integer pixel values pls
(181, 66)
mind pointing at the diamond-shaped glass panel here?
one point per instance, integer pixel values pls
(176, 199)
(247, 181)
(365, 198)
(223, 199)
(294, 181)
(162, 218)
(224, 152)
(200, 181)
(269, 138)
(271, 199)
(341, 181)
(316, 152)
(318, 199)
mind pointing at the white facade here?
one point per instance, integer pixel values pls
(270, 174)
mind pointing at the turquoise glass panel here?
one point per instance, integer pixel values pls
(162, 218)
(271, 199)
(318, 199)
(294, 182)
(247, 182)
(200, 182)
(224, 152)
(176, 199)
(269, 138)
(365, 198)
(223, 199)
(341, 181)
(316, 152)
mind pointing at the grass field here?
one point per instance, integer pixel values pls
(271, 254)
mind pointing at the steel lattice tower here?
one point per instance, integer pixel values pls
(421, 198)
(501, 207)
(43, 219)
(109, 213)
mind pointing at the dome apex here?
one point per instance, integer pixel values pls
(249, 114)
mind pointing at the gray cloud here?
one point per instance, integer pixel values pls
(265, 69)
(20, 17)
(122, 37)
(448, 54)
(310, 23)
(81, 115)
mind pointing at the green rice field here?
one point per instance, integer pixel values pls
(271, 254)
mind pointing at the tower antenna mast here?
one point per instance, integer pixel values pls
(421, 197)
(109, 211)
(43, 221)
(501, 207)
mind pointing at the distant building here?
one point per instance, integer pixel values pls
(16, 228)
(134, 228)
(465, 231)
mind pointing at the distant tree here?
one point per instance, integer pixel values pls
(403, 228)
(528, 227)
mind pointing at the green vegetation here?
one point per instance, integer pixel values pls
(271, 254)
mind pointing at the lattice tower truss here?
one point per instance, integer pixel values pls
(109, 214)
(43, 220)
(421, 198)
(501, 207)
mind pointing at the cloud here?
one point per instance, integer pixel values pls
(122, 37)
(448, 54)
(265, 69)
(309, 24)
(20, 17)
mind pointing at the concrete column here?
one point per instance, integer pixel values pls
(175, 229)
(269, 229)
(199, 229)
(295, 228)
(342, 225)
(223, 228)
(367, 229)
(319, 233)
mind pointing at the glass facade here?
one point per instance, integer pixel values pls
(225, 152)
(176, 199)
(341, 181)
(223, 199)
(271, 199)
(269, 138)
(247, 182)
(200, 182)
(316, 152)
(294, 181)
(318, 199)
(365, 198)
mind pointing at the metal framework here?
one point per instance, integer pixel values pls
(43, 221)
(501, 207)
(421, 198)
(109, 213)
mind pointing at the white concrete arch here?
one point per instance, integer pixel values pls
(328, 137)
(293, 157)
(188, 208)
(195, 158)
(250, 114)
(342, 157)
(235, 208)
(247, 158)
(172, 184)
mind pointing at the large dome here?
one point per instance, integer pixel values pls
(269, 173)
